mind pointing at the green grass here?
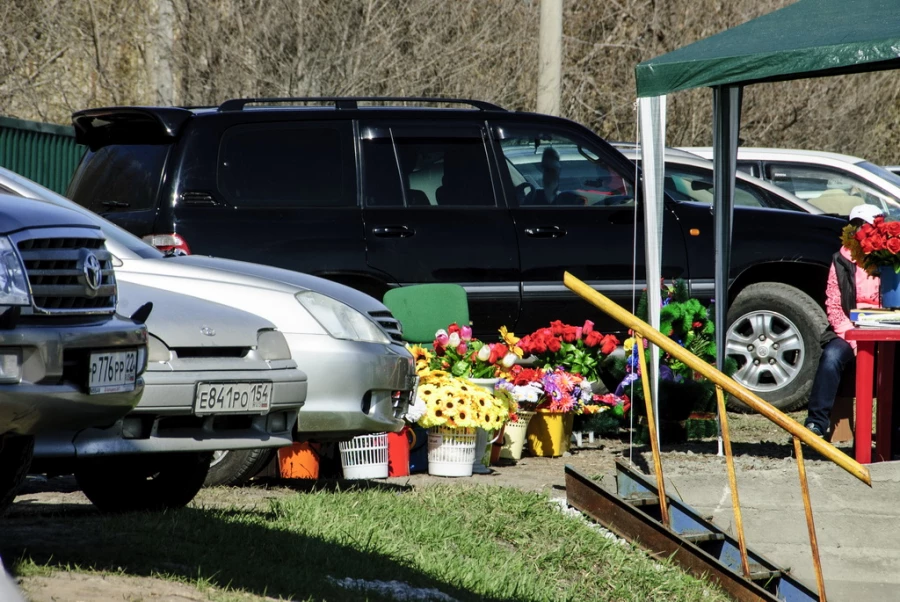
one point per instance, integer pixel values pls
(471, 543)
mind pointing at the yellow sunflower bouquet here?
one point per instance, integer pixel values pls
(455, 402)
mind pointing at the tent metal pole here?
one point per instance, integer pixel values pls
(726, 125)
(653, 142)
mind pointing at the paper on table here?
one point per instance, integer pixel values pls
(894, 323)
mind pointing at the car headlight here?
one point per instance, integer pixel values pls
(157, 350)
(340, 320)
(271, 345)
(13, 283)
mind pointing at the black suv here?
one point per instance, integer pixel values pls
(501, 202)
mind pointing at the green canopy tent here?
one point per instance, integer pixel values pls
(810, 38)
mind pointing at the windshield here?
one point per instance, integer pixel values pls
(880, 172)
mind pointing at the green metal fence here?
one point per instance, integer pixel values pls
(43, 152)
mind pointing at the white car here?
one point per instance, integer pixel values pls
(360, 374)
(833, 182)
(689, 177)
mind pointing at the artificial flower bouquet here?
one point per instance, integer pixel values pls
(577, 349)
(874, 246)
(456, 351)
(454, 402)
(603, 415)
(556, 390)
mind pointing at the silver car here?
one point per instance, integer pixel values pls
(217, 379)
(348, 343)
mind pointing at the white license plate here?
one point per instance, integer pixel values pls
(112, 372)
(233, 398)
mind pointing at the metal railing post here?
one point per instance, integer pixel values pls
(810, 524)
(732, 482)
(654, 440)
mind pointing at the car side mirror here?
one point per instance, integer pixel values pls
(142, 313)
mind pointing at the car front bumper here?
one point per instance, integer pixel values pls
(353, 386)
(164, 420)
(53, 392)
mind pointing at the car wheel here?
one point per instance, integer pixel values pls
(773, 336)
(236, 467)
(149, 482)
(15, 459)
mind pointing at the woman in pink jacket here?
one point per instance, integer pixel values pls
(849, 287)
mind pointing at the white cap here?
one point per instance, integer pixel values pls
(866, 213)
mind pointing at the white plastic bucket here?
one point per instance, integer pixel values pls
(451, 452)
(365, 457)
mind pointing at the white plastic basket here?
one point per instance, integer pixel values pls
(365, 457)
(451, 452)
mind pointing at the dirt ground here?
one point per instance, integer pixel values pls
(757, 444)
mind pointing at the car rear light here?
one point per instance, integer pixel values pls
(168, 243)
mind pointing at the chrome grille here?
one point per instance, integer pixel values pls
(59, 282)
(389, 324)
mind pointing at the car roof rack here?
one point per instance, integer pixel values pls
(351, 102)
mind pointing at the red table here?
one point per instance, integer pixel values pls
(866, 341)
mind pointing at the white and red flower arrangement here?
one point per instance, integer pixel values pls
(456, 351)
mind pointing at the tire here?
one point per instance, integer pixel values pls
(780, 366)
(238, 466)
(149, 482)
(15, 459)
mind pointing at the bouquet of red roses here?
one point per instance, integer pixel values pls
(577, 349)
(874, 246)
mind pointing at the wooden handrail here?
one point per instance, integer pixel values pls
(713, 375)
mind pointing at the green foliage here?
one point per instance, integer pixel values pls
(686, 321)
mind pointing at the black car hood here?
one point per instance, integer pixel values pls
(17, 213)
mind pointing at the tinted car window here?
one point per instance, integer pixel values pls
(119, 241)
(284, 165)
(426, 167)
(119, 177)
(549, 168)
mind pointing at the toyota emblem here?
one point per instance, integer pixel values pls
(207, 331)
(93, 272)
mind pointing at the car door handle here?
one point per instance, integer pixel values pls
(545, 232)
(393, 231)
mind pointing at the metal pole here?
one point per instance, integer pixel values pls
(732, 482)
(807, 506)
(651, 427)
(550, 59)
(726, 123)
